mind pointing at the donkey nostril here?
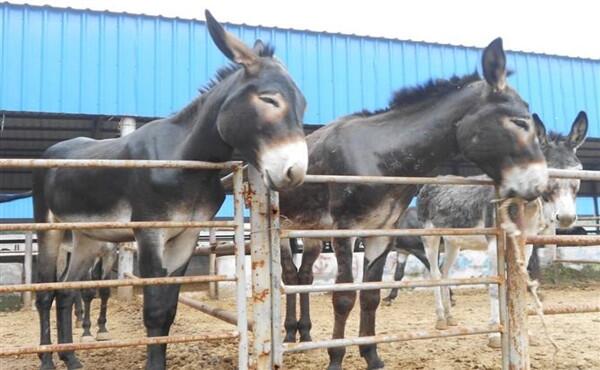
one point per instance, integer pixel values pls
(295, 173)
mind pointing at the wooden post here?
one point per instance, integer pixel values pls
(28, 267)
(125, 263)
(516, 285)
(213, 288)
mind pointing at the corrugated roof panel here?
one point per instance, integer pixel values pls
(17, 209)
(75, 61)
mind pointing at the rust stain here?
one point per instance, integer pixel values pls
(261, 296)
(257, 264)
(248, 194)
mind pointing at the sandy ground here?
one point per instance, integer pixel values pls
(577, 335)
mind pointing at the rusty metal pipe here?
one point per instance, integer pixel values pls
(574, 174)
(577, 261)
(114, 225)
(336, 233)
(115, 163)
(292, 289)
(112, 283)
(394, 180)
(415, 335)
(219, 313)
(563, 309)
(116, 343)
(565, 240)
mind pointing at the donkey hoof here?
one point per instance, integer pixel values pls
(451, 321)
(441, 325)
(47, 363)
(87, 339)
(494, 341)
(73, 363)
(305, 338)
(102, 336)
(290, 338)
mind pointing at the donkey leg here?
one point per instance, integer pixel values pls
(376, 250)
(401, 258)
(452, 250)
(102, 333)
(82, 259)
(48, 246)
(78, 304)
(289, 276)
(312, 250)
(432, 245)
(158, 258)
(87, 295)
(342, 301)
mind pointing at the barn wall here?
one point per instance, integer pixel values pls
(75, 61)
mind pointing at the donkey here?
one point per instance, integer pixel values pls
(101, 270)
(253, 106)
(405, 246)
(484, 120)
(470, 206)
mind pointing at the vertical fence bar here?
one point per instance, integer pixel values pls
(261, 271)
(277, 345)
(517, 298)
(28, 267)
(213, 288)
(240, 257)
(502, 309)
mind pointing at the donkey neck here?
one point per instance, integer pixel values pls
(199, 120)
(416, 138)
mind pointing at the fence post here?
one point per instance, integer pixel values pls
(501, 271)
(240, 259)
(213, 288)
(261, 273)
(28, 267)
(125, 263)
(516, 286)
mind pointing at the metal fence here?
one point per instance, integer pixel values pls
(266, 233)
(127, 279)
(267, 287)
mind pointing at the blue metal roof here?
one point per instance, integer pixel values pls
(78, 61)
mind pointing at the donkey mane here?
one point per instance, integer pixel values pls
(556, 137)
(430, 89)
(222, 73)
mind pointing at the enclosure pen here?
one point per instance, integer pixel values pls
(239, 247)
(512, 285)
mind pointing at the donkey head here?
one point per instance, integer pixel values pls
(560, 152)
(497, 133)
(262, 112)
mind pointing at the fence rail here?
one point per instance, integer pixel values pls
(114, 225)
(115, 163)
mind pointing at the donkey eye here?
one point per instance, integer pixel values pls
(521, 123)
(269, 100)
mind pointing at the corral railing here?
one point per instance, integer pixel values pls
(237, 225)
(266, 232)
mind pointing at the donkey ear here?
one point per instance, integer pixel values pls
(540, 129)
(231, 46)
(578, 131)
(494, 65)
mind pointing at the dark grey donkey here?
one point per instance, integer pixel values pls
(101, 270)
(252, 107)
(405, 246)
(470, 206)
(485, 120)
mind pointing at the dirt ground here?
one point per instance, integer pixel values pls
(577, 335)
